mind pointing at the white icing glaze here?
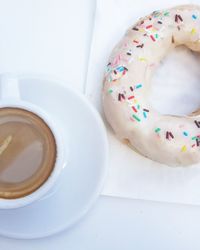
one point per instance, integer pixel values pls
(172, 140)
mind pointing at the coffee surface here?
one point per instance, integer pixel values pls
(27, 152)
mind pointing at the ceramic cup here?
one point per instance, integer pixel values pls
(10, 97)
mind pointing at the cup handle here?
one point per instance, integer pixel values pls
(9, 88)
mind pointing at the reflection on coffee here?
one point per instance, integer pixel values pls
(27, 152)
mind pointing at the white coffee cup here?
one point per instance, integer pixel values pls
(10, 97)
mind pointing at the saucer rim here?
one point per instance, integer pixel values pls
(62, 83)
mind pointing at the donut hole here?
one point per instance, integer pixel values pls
(175, 86)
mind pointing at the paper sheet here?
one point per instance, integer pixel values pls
(130, 174)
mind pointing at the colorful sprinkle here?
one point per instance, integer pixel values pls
(131, 88)
(110, 91)
(121, 68)
(152, 38)
(134, 28)
(168, 135)
(183, 149)
(138, 106)
(149, 26)
(178, 18)
(157, 130)
(134, 109)
(166, 14)
(136, 118)
(194, 138)
(197, 123)
(121, 96)
(156, 13)
(116, 60)
(194, 16)
(198, 142)
(135, 41)
(138, 86)
(193, 31)
(140, 46)
(156, 36)
(130, 97)
(145, 114)
(146, 110)
(142, 59)
(185, 133)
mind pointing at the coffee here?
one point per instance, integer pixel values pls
(27, 152)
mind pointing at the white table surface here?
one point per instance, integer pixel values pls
(53, 37)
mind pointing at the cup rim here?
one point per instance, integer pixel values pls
(61, 157)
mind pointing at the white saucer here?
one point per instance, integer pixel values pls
(82, 179)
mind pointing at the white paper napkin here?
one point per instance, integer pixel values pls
(175, 90)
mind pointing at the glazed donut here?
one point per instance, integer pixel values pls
(168, 139)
